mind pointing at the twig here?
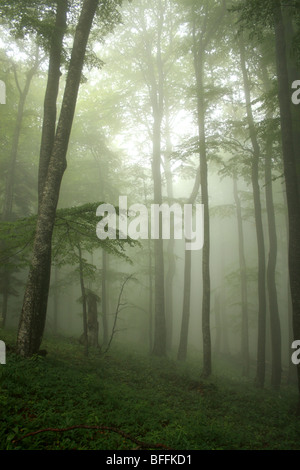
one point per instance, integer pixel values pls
(118, 309)
(141, 444)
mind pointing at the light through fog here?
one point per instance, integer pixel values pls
(165, 120)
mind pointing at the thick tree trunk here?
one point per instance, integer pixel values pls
(33, 315)
(290, 173)
(261, 341)
(293, 68)
(243, 277)
(54, 73)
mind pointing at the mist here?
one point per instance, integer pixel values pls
(150, 219)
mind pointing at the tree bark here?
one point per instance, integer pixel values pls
(182, 349)
(272, 258)
(243, 276)
(33, 315)
(261, 341)
(170, 249)
(290, 173)
(54, 73)
(104, 298)
(159, 340)
(7, 212)
(199, 53)
(84, 304)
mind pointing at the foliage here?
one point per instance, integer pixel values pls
(71, 224)
(157, 401)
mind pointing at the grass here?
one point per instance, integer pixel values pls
(157, 401)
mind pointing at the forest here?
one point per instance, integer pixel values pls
(150, 225)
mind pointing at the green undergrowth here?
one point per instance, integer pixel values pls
(156, 401)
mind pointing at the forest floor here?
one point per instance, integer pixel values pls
(129, 400)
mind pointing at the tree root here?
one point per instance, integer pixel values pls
(140, 444)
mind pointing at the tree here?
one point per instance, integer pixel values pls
(290, 171)
(204, 29)
(261, 342)
(34, 309)
(10, 180)
(270, 13)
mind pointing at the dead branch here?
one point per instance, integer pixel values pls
(140, 444)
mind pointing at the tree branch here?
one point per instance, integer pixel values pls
(141, 444)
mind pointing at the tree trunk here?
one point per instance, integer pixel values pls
(170, 249)
(182, 349)
(55, 300)
(54, 73)
(7, 212)
(84, 304)
(92, 321)
(150, 300)
(33, 315)
(290, 173)
(261, 341)
(159, 344)
(243, 276)
(199, 54)
(272, 258)
(218, 325)
(104, 298)
(159, 340)
(294, 74)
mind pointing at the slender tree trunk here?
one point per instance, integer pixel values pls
(104, 298)
(271, 267)
(218, 324)
(84, 302)
(7, 212)
(199, 59)
(159, 343)
(55, 309)
(290, 173)
(171, 243)
(33, 315)
(243, 277)
(150, 301)
(182, 349)
(261, 342)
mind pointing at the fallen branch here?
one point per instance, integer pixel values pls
(140, 444)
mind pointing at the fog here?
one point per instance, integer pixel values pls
(175, 102)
